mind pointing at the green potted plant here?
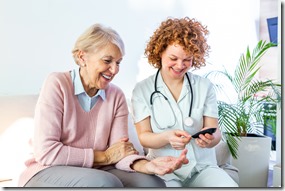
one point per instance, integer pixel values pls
(242, 117)
(245, 117)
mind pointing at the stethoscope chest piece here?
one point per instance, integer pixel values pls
(188, 121)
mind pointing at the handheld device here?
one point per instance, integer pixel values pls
(210, 131)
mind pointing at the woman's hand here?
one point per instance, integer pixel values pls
(178, 139)
(208, 140)
(161, 165)
(114, 153)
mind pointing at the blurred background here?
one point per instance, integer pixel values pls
(36, 37)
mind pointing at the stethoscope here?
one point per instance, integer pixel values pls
(188, 121)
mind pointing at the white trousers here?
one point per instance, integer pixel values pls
(208, 177)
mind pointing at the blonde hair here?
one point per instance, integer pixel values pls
(96, 37)
(188, 33)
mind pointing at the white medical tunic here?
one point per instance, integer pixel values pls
(172, 115)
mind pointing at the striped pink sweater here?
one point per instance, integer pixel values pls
(65, 134)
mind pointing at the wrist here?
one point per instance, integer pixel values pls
(100, 158)
(140, 166)
(166, 135)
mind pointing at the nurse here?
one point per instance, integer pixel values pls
(174, 104)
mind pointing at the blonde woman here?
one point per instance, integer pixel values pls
(81, 136)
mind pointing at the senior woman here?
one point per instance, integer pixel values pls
(81, 136)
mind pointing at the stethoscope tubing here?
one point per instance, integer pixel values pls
(191, 90)
(156, 91)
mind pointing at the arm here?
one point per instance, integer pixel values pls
(119, 146)
(160, 165)
(141, 114)
(177, 138)
(49, 149)
(210, 109)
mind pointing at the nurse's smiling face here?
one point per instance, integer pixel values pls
(175, 62)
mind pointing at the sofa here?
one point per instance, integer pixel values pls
(16, 128)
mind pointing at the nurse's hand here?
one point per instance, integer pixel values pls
(204, 141)
(178, 139)
(208, 140)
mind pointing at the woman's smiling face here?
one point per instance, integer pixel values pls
(100, 67)
(175, 61)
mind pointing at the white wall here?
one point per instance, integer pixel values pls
(36, 37)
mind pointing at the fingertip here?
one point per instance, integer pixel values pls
(125, 139)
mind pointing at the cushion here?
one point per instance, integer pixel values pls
(224, 160)
(15, 146)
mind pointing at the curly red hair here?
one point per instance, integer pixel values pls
(188, 33)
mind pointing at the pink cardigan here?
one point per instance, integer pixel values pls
(65, 134)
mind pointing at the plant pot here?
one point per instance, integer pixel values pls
(253, 160)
